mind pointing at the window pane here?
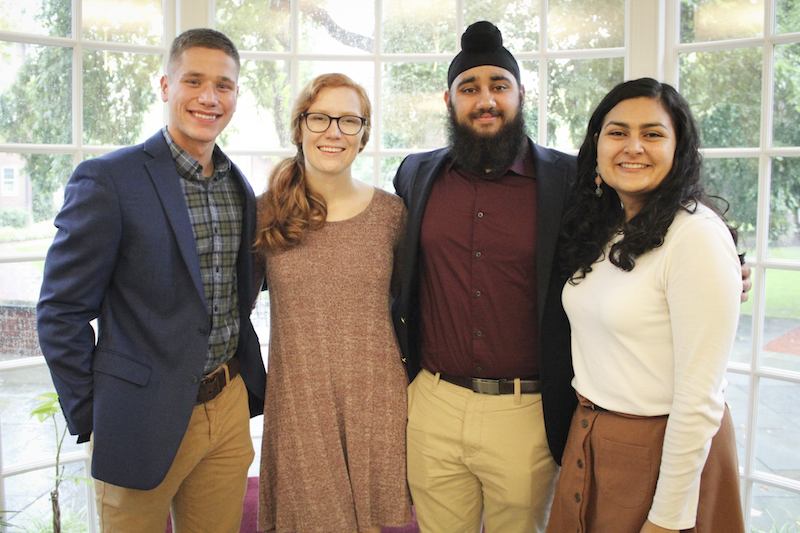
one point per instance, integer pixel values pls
(123, 21)
(419, 26)
(120, 103)
(724, 90)
(389, 166)
(363, 169)
(262, 112)
(256, 24)
(28, 495)
(337, 26)
(25, 439)
(717, 20)
(414, 114)
(256, 169)
(579, 24)
(787, 15)
(736, 181)
(36, 94)
(774, 510)
(362, 72)
(787, 95)
(518, 21)
(41, 17)
(529, 74)
(27, 213)
(576, 87)
(778, 432)
(737, 398)
(782, 320)
(784, 206)
(19, 292)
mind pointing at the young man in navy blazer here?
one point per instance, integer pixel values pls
(154, 242)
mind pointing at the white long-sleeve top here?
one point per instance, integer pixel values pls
(656, 341)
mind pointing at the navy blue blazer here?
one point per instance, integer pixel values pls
(125, 254)
(555, 172)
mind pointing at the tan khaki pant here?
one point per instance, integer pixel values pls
(472, 455)
(206, 483)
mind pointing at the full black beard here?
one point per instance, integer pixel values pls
(477, 152)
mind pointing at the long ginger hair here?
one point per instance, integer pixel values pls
(289, 207)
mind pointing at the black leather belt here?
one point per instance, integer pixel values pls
(494, 386)
(213, 383)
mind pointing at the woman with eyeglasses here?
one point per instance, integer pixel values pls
(329, 245)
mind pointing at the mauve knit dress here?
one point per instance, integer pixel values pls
(333, 454)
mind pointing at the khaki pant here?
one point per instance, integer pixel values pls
(205, 485)
(472, 455)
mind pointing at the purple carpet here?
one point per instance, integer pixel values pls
(250, 514)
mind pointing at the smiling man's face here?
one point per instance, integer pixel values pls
(201, 90)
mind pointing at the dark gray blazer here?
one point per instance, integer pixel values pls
(125, 254)
(555, 172)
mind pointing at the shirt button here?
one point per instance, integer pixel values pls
(480, 214)
(477, 254)
(477, 293)
(584, 423)
(479, 333)
(194, 380)
(577, 498)
(480, 369)
(202, 330)
(580, 463)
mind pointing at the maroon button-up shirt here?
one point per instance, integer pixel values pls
(478, 274)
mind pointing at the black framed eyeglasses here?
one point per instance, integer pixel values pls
(320, 122)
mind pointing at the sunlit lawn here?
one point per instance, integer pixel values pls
(783, 287)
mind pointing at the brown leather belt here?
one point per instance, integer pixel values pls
(494, 386)
(213, 383)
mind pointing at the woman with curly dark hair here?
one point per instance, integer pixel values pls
(652, 289)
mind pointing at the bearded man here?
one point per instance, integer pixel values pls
(478, 319)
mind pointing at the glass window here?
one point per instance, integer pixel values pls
(123, 21)
(786, 107)
(784, 206)
(40, 17)
(256, 24)
(576, 87)
(412, 105)
(36, 98)
(9, 185)
(120, 97)
(518, 21)
(419, 26)
(717, 20)
(724, 90)
(586, 24)
(787, 16)
(338, 26)
(778, 432)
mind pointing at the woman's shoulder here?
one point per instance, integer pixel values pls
(388, 200)
(701, 225)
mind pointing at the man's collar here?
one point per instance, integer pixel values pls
(188, 166)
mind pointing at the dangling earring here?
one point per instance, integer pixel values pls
(598, 180)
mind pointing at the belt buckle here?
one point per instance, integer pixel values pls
(486, 386)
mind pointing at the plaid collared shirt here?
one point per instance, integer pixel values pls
(215, 207)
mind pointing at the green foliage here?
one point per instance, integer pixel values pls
(37, 108)
(47, 409)
(14, 217)
(71, 522)
(39, 230)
